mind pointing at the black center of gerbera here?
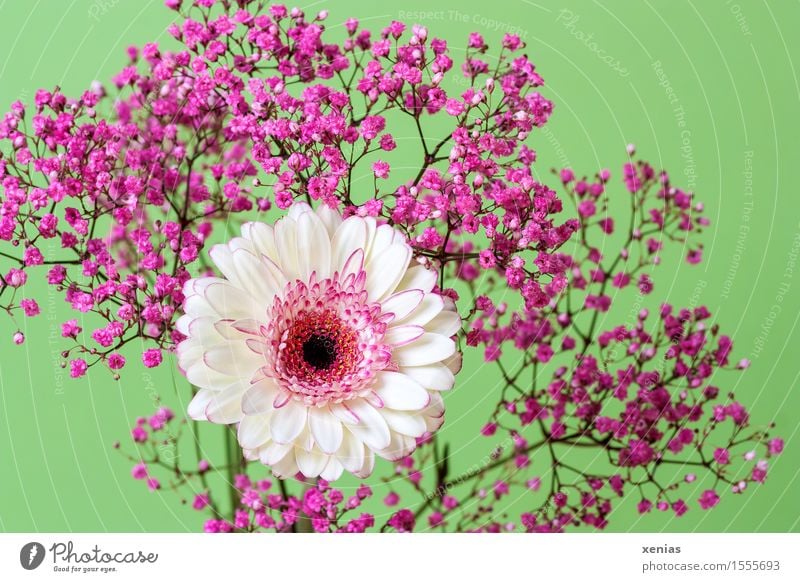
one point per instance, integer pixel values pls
(319, 351)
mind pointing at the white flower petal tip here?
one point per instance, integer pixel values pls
(323, 340)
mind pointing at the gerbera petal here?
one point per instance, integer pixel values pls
(298, 209)
(431, 306)
(428, 349)
(198, 306)
(197, 407)
(385, 270)
(286, 243)
(259, 397)
(404, 423)
(432, 377)
(403, 303)
(371, 428)
(253, 431)
(399, 392)
(311, 463)
(446, 323)
(368, 466)
(330, 218)
(351, 452)
(403, 334)
(333, 470)
(224, 406)
(383, 239)
(232, 302)
(273, 452)
(349, 237)
(232, 358)
(263, 238)
(257, 279)
(313, 247)
(418, 277)
(455, 362)
(200, 375)
(326, 429)
(352, 266)
(222, 256)
(288, 422)
(287, 466)
(400, 446)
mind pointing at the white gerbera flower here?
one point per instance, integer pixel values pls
(321, 341)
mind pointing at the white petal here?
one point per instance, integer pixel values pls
(351, 453)
(286, 467)
(330, 218)
(259, 398)
(403, 334)
(333, 470)
(253, 431)
(182, 325)
(428, 349)
(197, 407)
(313, 247)
(311, 463)
(446, 323)
(344, 413)
(418, 277)
(234, 359)
(432, 377)
(257, 279)
(436, 407)
(326, 429)
(200, 375)
(368, 466)
(353, 265)
(404, 422)
(288, 422)
(233, 303)
(238, 243)
(222, 256)
(371, 428)
(455, 362)
(430, 306)
(400, 446)
(351, 235)
(383, 239)
(225, 406)
(273, 453)
(297, 209)
(403, 303)
(385, 270)
(247, 326)
(399, 392)
(286, 243)
(262, 237)
(198, 306)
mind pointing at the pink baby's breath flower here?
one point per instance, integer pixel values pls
(151, 358)
(78, 367)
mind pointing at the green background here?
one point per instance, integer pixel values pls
(720, 111)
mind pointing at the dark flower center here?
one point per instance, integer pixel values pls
(320, 351)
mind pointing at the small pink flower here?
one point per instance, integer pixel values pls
(708, 499)
(139, 471)
(151, 358)
(78, 367)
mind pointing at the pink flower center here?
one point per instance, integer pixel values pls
(320, 346)
(325, 340)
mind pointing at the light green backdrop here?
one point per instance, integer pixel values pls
(707, 89)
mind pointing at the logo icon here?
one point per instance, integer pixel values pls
(31, 555)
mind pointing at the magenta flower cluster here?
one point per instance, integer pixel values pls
(113, 197)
